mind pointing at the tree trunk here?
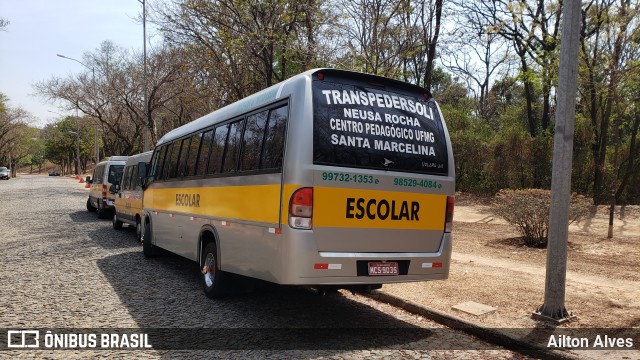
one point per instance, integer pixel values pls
(431, 50)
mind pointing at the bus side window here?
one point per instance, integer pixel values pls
(252, 141)
(135, 179)
(217, 149)
(232, 148)
(173, 160)
(132, 176)
(99, 175)
(167, 161)
(182, 161)
(203, 154)
(192, 158)
(273, 149)
(126, 177)
(157, 172)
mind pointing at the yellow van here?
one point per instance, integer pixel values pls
(128, 204)
(105, 174)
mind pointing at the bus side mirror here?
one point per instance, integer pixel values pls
(142, 174)
(88, 179)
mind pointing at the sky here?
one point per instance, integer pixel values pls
(40, 29)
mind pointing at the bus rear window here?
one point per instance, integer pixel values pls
(357, 124)
(115, 174)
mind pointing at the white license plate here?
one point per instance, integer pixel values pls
(383, 268)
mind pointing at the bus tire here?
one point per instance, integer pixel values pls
(138, 229)
(102, 213)
(148, 249)
(90, 207)
(117, 224)
(212, 277)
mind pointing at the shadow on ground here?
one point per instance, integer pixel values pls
(164, 296)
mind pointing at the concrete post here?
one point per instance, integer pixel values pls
(553, 308)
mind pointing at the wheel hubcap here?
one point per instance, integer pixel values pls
(209, 269)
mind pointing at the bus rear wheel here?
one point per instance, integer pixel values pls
(90, 207)
(212, 276)
(148, 249)
(117, 224)
(102, 213)
(138, 229)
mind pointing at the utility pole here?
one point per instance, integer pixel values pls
(147, 131)
(93, 81)
(553, 308)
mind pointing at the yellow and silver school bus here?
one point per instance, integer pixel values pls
(128, 203)
(330, 178)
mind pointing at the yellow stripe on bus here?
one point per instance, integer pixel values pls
(260, 203)
(356, 208)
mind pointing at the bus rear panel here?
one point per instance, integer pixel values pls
(378, 184)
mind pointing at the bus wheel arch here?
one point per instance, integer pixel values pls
(148, 249)
(213, 279)
(208, 234)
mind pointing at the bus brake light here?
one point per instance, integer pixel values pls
(301, 209)
(448, 219)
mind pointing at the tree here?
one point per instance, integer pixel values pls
(13, 122)
(609, 52)
(476, 53)
(111, 93)
(60, 144)
(247, 46)
(4, 23)
(371, 35)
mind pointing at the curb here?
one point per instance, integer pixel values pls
(493, 336)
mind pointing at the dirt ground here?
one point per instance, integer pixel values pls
(491, 266)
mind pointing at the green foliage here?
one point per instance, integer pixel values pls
(528, 210)
(469, 139)
(60, 144)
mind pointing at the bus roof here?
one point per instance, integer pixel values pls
(134, 159)
(267, 96)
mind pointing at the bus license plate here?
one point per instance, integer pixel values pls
(383, 268)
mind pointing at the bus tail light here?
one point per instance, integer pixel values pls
(301, 209)
(448, 218)
(104, 191)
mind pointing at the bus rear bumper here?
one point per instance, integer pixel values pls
(341, 268)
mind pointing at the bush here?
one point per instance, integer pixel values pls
(528, 210)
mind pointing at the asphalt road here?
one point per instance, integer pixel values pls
(63, 270)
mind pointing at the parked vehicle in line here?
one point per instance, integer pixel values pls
(5, 173)
(329, 179)
(128, 204)
(105, 174)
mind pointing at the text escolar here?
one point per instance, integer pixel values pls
(382, 209)
(190, 200)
